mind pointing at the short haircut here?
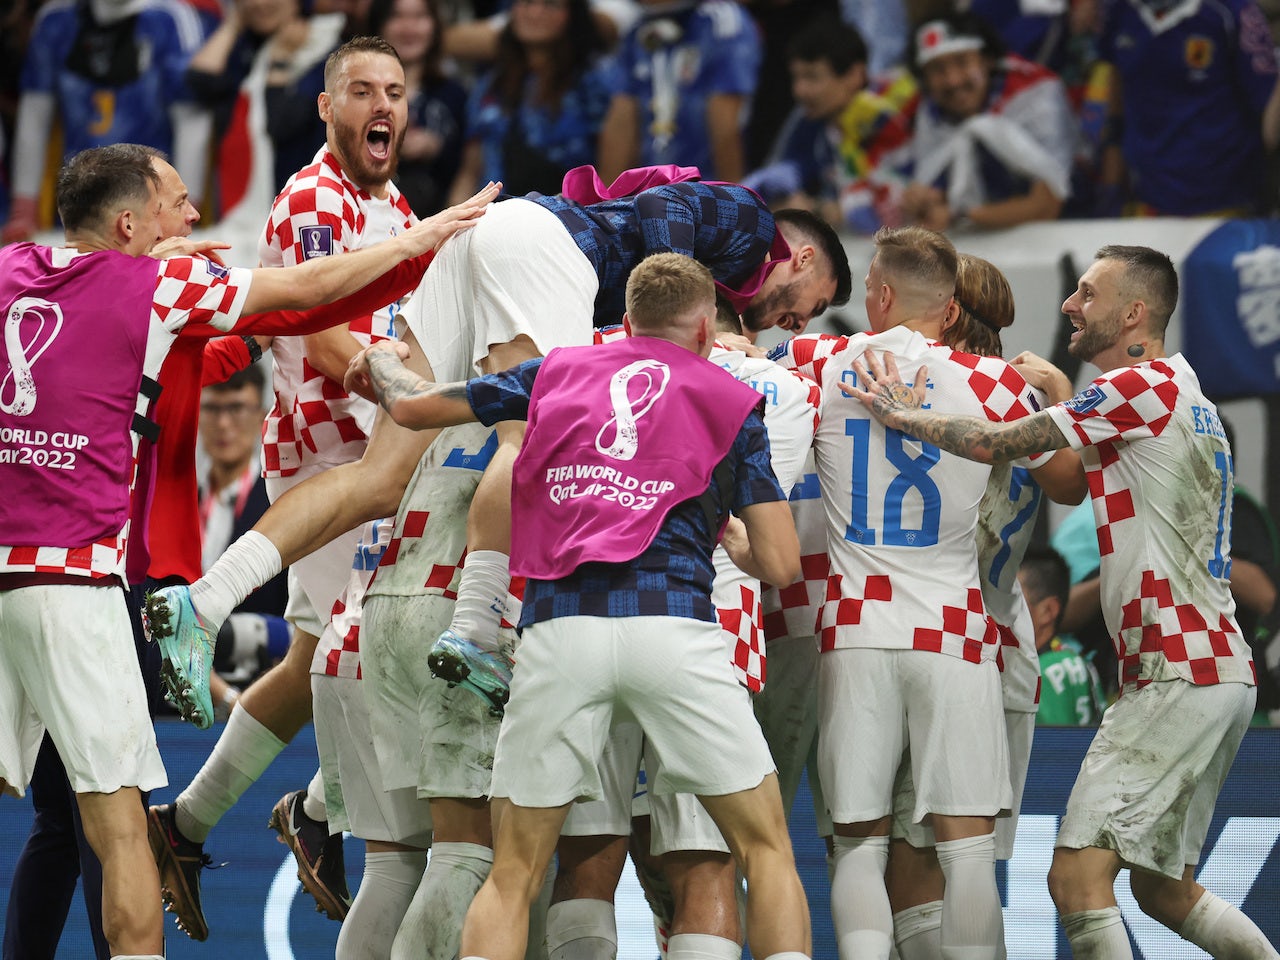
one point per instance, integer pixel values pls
(986, 307)
(354, 46)
(664, 287)
(829, 40)
(1149, 276)
(250, 376)
(916, 256)
(1045, 574)
(100, 181)
(822, 235)
(727, 318)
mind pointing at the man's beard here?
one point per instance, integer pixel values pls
(755, 313)
(364, 171)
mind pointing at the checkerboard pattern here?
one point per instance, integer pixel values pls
(741, 622)
(189, 292)
(313, 413)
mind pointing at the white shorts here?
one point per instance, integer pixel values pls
(68, 664)
(873, 704)
(787, 709)
(1148, 784)
(516, 272)
(1020, 727)
(669, 673)
(317, 580)
(354, 795)
(677, 821)
(428, 736)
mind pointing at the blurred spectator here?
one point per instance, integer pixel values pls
(233, 497)
(994, 140)
(261, 72)
(685, 77)
(779, 21)
(537, 113)
(1192, 82)
(1036, 30)
(111, 71)
(432, 147)
(1070, 691)
(884, 25)
(828, 154)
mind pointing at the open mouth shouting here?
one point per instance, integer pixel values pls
(377, 140)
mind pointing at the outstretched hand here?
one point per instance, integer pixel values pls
(357, 380)
(883, 391)
(187, 247)
(435, 230)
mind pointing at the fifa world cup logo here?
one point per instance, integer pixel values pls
(43, 320)
(627, 410)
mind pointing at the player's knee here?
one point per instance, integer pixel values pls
(1161, 898)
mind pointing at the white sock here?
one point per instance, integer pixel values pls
(1097, 935)
(972, 922)
(482, 597)
(245, 749)
(582, 930)
(245, 566)
(918, 931)
(313, 800)
(432, 926)
(386, 890)
(859, 902)
(701, 946)
(1225, 933)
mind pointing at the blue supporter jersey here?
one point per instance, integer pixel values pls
(672, 62)
(112, 84)
(724, 226)
(1195, 82)
(566, 136)
(672, 578)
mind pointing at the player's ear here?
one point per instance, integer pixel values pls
(626, 325)
(324, 103)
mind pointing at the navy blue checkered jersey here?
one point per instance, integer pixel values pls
(672, 578)
(724, 226)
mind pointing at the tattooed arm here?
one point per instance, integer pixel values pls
(897, 405)
(411, 400)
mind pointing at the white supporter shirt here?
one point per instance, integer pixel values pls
(901, 514)
(790, 419)
(320, 213)
(189, 291)
(1160, 476)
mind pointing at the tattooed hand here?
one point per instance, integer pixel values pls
(358, 379)
(883, 392)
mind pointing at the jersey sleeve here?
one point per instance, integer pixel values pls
(223, 358)
(808, 354)
(198, 297)
(309, 221)
(755, 481)
(1134, 403)
(503, 396)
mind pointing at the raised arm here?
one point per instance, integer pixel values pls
(411, 400)
(897, 405)
(326, 279)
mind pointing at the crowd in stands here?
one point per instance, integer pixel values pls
(870, 112)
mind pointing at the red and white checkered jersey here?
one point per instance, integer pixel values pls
(188, 291)
(790, 419)
(901, 514)
(1160, 476)
(792, 611)
(338, 650)
(1006, 522)
(320, 213)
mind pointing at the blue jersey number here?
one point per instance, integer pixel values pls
(1019, 481)
(1220, 566)
(913, 474)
